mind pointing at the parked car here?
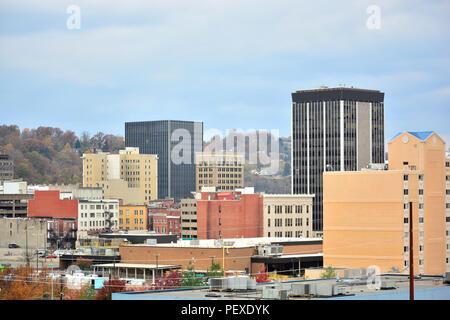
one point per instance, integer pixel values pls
(13, 246)
(52, 256)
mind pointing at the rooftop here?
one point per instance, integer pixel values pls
(234, 242)
(424, 289)
(422, 135)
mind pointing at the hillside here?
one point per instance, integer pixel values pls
(50, 155)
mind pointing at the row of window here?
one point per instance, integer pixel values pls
(136, 212)
(288, 222)
(136, 221)
(98, 206)
(220, 163)
(288, 234)
(93, 215)
(288, 208)
(96, 223)
(235, 175)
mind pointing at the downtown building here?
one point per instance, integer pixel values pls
(333, 129)
(129, 176)
(175, 142)
(366, 213)
(223, 170)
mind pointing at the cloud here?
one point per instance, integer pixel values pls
(115, 35)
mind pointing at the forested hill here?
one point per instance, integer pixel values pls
(50, 155)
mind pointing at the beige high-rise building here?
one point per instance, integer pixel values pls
(288, 215)
(224, 171)
(129, 175)
(366, 213)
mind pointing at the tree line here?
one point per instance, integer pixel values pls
(48, 155)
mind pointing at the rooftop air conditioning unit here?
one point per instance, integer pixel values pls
(274, 293)
(218, 283)
(324, 289)
(298, 289)
(232, 283)
(447, 277)
(242, 282)
(386, 285)
(228, 243)
(310, 289)
(251, 284)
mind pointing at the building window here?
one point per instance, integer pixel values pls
(405, 192)
(420, 219)
(268, 222)
(420, 205)
(421, 192)
(405, 177)
(405, 220)
(420, 177)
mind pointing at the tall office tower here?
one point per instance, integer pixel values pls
(175, 143)
(333, 129)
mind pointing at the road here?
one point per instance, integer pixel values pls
(16, 257)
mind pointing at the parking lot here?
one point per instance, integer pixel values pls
(16, 257)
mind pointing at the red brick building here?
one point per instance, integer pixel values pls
(164, 220)
(229, 215)
(62, 216)
(47, 204)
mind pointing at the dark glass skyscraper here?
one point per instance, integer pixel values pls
(333, 129)
(175, 142)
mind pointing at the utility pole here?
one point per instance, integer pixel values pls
(60, 288)
(27, 258)
(411, 256)
(157, 255)
(51, 265)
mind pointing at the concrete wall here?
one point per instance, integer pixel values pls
(14, 230)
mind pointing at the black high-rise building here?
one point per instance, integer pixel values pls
(333, 129)
(175, 142)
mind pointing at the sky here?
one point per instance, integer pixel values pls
(230, 64)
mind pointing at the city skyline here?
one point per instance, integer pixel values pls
(153, 61)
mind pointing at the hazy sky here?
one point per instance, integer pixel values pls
(230, 64)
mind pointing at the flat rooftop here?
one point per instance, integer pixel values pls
(236, 242)
(425, 289)
(137, 266)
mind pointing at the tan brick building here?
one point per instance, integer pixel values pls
(129, 175)
(366, 214)
(224, 171)
(287, 215)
